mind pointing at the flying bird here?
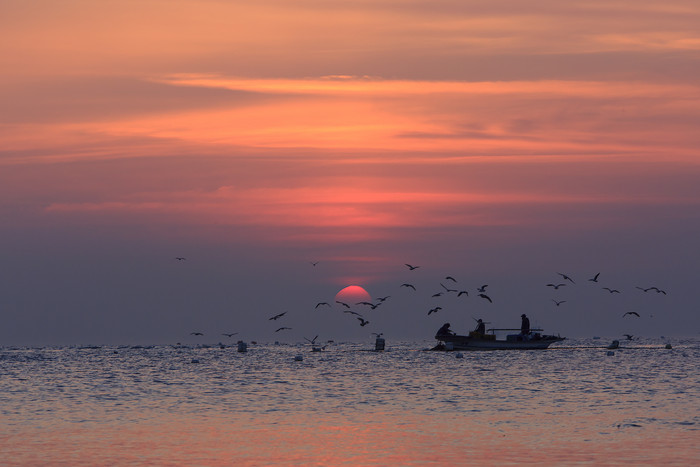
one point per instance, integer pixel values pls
(556, 286)
(631, 313)
(180, 258)
(313, 263)
(363, 322)
(658, 290)
(628, 336)
(276, 317)
(567, 278)
(482, 289)
(196, 334)
(352, 312)
(229, 334)
(343, 303)
(450, 278)
(434, 310)
(412, 267)
(483, 295)
(408, 285)
(594, 278)
(447, 289)
(611, 290)
(281, 329)
(381, 299)
(559, 303)
(439, 294)
(321, 304)
(643, 289)
(312, 341)
(463, 292)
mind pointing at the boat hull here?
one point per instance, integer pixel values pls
(457, 342)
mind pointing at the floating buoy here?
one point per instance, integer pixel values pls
(459, 355)
(242, 346)
(298, 358)
(379, 344)
(668, 346)
(610, 353)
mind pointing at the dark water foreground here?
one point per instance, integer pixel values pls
(164, 405)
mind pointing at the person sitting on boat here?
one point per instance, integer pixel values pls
(525, 326)
(445, 330)
(480, 327)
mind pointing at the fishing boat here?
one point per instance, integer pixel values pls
(488, 341)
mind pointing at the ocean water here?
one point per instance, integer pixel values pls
(165, 405)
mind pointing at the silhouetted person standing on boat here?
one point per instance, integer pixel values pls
(480, 327)
(525, 326)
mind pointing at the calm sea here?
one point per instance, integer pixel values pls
(166, 405)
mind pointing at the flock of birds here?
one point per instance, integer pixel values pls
(480, 292)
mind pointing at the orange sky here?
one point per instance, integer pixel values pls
(350, 125)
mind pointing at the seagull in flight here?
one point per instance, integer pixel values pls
(463, 292)
(439, 294)
(631, 313)
(558, 303)
(229, 334)
(412, 267)
(343, 303)
(196, 334)
(450, 278)
(276, 317)
(381, 299)
(567, 278)
(628, 336)
(434, 310)
(447, 289)
(352, 312)
(483, 295)
(611, 290)
(482, 289)
(313, 263)
(408, 285)
(556, 286)
(594, 278)
(180, 258)
(363, 322)
(658, 290)
(321, 304)
(281, 329)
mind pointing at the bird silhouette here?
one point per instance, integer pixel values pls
(658, 290)
(343, 303)
(567, 278)
(412, 267)
(408, 285)
(594, 278)
(313, 263)
(180, 258)
(321, 304)
(229, 334)
(482, 289)
(352, 312)
(439, 294)
(628, 336)
(463, 292)
(276, 317)
(363, 322)
(434, 310)
(483, 295)
(281, 329)
(447, 289)
(559, 302)
(643, 289)
(450, 278)
(631, 313)
(381, 299)
(611, 290)
(556, 286)
(196, 334)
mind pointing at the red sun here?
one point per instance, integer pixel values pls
(353, 294)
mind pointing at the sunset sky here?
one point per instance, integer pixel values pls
(498, 142)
